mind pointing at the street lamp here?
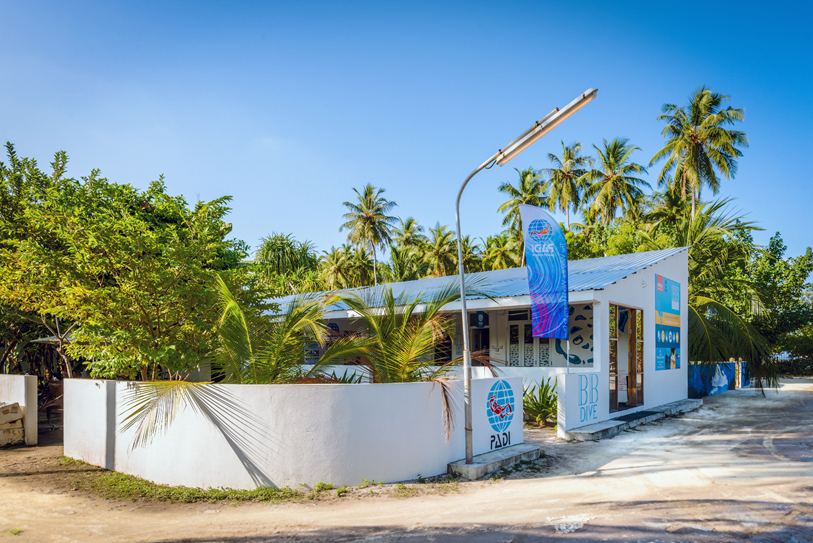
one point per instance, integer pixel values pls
(502, 157)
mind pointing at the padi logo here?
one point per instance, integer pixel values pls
(539, 231)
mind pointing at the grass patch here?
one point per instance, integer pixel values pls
(68, 461)
(15, 531)
(119, 486)
(403, 491)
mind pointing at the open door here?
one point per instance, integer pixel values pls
(632, 371)
(613, 358)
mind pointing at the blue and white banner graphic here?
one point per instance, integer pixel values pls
(546, 259)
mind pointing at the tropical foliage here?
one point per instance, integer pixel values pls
(540, 403)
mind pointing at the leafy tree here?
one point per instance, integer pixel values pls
(472, 255)
(699, 145)
(566, 178)
(782, 283)
(530, 189)
(614, 187)
(128, 268)
(368, 222)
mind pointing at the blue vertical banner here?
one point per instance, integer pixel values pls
(546, 261)
(667, 323)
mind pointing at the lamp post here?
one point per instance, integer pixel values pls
(501, 157)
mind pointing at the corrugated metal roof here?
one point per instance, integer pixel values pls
(587, 274)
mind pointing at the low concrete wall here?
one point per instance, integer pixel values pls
(22, 389)
(245, 436)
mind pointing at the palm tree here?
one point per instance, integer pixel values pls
(699, 145)
(405, 264)
(567, 178)
(529, 190)
(472, 255)
(409, 235)
(666, 208)
(440, 251)
(501, 252)
(335, 267)
(614, 187)
(360, 265)
(368, 221)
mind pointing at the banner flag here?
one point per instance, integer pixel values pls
(546, 260)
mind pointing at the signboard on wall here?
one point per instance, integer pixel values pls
(667, 323)
(496, 413)
(546, 255)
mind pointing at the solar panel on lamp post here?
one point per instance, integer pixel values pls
(501, 157)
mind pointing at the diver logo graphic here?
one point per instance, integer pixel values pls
(539, 230)
(500, 411)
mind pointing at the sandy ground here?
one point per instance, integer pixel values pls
(738, 469)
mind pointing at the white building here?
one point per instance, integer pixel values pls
(628, 333)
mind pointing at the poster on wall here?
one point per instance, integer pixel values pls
(667, 323)
(546, 255)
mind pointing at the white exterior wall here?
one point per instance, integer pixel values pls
(660, 387)
(284, 435)
(22, 389)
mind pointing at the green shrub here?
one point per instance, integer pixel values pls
(540, 403)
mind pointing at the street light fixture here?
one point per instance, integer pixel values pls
(502, 157)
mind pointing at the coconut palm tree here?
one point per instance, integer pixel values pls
(699, 146)
(666, 208)
(409, 234)
(335, 268)
(614, 187)
(440, 251)
(530, 189)
(368, 222)
(472, 255)
(501, 252)
(360, 264)
(567, 178)
(405, 264)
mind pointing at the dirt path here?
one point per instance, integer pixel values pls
(740, 468)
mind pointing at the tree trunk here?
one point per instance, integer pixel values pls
(567, 214)
(375, 266)
(693, 203)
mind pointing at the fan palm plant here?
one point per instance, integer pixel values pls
(614, 187)
(368, 222)
(566, 178)
(699, 145)
(440, 251)
(530, 189)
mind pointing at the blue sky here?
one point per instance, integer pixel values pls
(288, 106)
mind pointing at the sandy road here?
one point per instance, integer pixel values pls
(738, 469)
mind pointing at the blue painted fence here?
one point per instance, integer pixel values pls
(710, 379)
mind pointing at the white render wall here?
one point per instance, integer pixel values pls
(660, 387)
(22, 389)
(283, 435)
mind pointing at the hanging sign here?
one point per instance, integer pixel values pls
(546, 258)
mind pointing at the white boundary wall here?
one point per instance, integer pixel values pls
(22, 389)
(284, 435)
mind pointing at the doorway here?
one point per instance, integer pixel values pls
(626, 357)
(524, 350)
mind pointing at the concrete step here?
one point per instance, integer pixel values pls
(609, 428)
(489, 462)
